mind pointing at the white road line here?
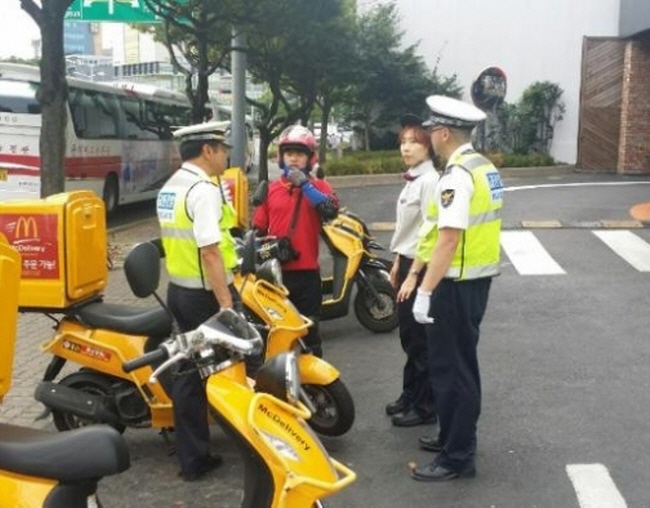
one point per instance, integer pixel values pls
(594, 486)
(527, 254)
(577, 184)
(629, 246)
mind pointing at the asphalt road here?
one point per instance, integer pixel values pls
(566, 382)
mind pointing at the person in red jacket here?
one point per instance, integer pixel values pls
(295, 207)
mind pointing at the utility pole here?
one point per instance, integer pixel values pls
(238, 118)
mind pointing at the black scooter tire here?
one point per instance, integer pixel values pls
(363, 306)
(334, 414)
(89, 382)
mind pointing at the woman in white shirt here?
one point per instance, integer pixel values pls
(415, 404)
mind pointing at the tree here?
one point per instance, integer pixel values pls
(528, 125)
(288, 61)
(52, 93)
(200, 30)
(390, 80)
(337, 67)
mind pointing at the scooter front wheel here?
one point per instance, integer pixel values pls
(378, 313)
(334, 414)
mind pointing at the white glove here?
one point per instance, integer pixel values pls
(421, 307)
(296, 177)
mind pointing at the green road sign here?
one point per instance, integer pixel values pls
(118, 11)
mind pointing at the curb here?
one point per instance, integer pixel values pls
(342, 182)
(378, 227)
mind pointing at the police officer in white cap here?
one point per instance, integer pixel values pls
(460, 244)
(195, 219)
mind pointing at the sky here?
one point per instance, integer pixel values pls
(17, 30)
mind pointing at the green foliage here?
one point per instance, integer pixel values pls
(528, 126)
(24, 61)
(390, 161)
(366, 163)
(391, 79)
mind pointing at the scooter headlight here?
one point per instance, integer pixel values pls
(279, 377)
(270, 271)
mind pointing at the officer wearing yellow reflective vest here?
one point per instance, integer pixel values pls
(460, 242)
(195, 219)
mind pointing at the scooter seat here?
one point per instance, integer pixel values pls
(77, 455)
(152, 322)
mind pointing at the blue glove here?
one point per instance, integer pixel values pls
(421, 307)
(314, 196)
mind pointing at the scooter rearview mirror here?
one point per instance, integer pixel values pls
(248, 253)
(261, 193)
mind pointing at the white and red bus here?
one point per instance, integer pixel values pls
(118, 138)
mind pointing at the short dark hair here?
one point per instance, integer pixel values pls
(191, 149)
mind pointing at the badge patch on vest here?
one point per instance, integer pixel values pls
(447, 197)
(165, 206)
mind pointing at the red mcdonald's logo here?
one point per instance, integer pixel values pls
(26, 228)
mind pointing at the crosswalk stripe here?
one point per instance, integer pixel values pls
(594, 486)
(629, 246)
(527, 254)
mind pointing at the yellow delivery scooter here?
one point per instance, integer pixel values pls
(286, 466)
(266, 303)
(355, 264)
(101, 336)
(39, 469)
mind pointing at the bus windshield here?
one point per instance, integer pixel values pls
(18, 97)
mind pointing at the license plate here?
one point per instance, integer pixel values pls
(3, 175)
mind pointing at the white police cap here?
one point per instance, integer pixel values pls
(206, 131)
(449, 112)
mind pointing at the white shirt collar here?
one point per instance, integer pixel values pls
(421, 168)
(196, 169)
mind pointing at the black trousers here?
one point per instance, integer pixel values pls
(190, 308)
(452, 340)
(416, 387)
(305, 293)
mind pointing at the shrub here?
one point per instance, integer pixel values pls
(374, 163)
(365, 163)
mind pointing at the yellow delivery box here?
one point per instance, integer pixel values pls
(9, 282)
(237, 183)
(62, 242)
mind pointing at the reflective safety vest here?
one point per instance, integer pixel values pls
(478, 252)
(182, 255)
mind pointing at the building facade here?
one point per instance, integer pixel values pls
(530, 41)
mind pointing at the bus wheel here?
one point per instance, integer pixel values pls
(111, 194)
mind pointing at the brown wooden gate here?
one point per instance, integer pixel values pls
(601, 93)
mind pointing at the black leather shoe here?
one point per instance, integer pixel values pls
(395, 407)
(430, 444)
(411, 418)
(434, 472)
(210, 463)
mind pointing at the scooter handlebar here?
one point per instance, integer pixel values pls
(146, 359)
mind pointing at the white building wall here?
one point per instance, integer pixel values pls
(531, 40)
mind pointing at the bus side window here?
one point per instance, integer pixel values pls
(94, 114)
(77, 112)
(18, 97)
(135, 120)
(157, 120)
